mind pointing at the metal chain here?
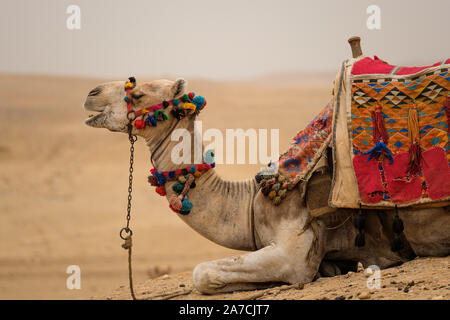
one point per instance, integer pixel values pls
(126, 233)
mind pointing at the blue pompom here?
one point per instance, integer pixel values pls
(151, 121)
(186, 205)
(126, 99)
(199, 101)
(192, 169)
(160, 178)
(176, 102)
(171, 174)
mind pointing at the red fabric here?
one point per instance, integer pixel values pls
(436, 172)
(369, 179)
(411, 70)
(376, 66)
(368, 65)
(399, 188)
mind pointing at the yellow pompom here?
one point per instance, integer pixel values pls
(129, 85)
(144, 111)
(189, 106)
(197, 174)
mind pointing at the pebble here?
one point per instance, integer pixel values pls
(182, 285)
(364, 295)
(406, 290)
(166, 276)
(360, 267)
(339, 298)
(438, 298)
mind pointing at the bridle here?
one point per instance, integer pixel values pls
(190, 105)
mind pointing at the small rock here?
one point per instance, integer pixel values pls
(438, 298)
(360, 267)
(166, 276)
(393, 282)
(425, 288)
(182, 285)
(349, 297)
(406, 290)
(364, 296)
(411, 283)
(339, 298)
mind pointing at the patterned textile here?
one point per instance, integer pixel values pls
(425, 93)
(307, 147)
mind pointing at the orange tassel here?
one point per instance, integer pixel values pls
(379, 130)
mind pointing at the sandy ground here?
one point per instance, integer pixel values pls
(63, 193)
(412, 280)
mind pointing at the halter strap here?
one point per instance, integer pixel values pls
(188, 102)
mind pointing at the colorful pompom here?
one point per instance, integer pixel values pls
(177, 188)
(175, 202)
(151, 121)
(185, 98)
(186, 205)
(126, 99)
(139, 124)
(171, 174)
(192, 169)
(161, 190)
(176, 102)
(191, 95)
(199, 101)
(160, 115)
(160, 178)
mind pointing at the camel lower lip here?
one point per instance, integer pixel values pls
(93, 119)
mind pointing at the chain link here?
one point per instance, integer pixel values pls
(132, 139)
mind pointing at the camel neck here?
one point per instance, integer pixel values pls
(222, 210)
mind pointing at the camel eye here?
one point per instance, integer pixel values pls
(137, 96)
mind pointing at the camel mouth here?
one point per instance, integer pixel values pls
(95, 120)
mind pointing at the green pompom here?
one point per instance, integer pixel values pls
(177, 187)
(185, 98)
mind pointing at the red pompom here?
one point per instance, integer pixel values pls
(161, 190)
(201, 167)
(139, 124)
(191, 95)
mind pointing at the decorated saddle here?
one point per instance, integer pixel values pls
(388, 127)
(391, 135)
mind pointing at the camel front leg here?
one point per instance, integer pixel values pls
(287, 261)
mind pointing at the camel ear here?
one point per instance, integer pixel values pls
(178, 88)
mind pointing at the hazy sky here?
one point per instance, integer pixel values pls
(214, 39)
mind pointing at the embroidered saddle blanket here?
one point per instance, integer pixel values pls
(391, 135)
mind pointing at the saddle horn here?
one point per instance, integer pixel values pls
(355, 44)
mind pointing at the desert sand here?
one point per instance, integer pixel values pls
(63, 191)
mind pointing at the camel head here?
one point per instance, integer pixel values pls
(107, 100)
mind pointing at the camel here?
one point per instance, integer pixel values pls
(285, 245)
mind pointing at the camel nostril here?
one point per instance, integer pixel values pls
(94, 92)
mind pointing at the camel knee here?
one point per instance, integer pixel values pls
(205, 278)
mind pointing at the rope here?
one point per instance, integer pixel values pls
(127, 245)
(340, 225)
